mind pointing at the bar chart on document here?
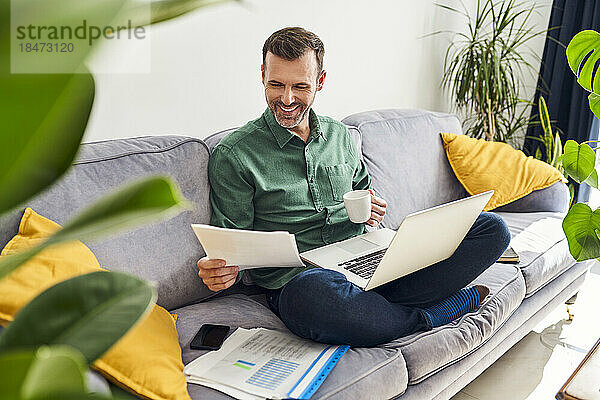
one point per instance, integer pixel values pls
(269, 364)
(272, 374)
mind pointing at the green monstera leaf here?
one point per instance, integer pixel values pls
(581, 226)
(583, 52)
(578, 160)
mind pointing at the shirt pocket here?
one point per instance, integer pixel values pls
(340, 179)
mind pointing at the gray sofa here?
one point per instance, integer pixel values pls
(403, 152)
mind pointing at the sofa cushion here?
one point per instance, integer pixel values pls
(360, 373)
(554, 198)
(543, 249)
(403, 152)
(429, 352)
(164, 252)
(481, 165)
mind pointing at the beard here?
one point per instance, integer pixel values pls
(289, 120)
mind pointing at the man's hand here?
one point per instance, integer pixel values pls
(378, 206)
(215, 275)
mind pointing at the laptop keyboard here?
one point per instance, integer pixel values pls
(364, 266)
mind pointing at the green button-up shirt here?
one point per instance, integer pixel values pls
(263, 177)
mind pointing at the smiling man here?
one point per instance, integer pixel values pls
(291, 84)
(288, 170)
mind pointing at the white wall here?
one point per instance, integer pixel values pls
(205, 65)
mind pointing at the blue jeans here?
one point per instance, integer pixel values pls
(321, 304)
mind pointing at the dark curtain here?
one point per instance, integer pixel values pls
(567, 101)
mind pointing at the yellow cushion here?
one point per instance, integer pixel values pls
(480, 165)
(146, 361)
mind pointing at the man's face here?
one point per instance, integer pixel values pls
(291, 86)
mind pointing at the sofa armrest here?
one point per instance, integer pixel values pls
(554, 198)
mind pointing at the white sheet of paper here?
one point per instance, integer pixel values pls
(249, 249)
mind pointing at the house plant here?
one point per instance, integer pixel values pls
(484, 68)
(44, 118)
(582, 224)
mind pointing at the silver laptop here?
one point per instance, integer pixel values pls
(424, 238)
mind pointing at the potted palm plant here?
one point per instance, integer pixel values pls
(485, 66)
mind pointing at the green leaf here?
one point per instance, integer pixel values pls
(48, 372)
(538, 153)
(544, 116)
(557, 152)
(57, 370)
(585, 44)
(134, 204)
(592, 180)
(89, 312)
(580, 227)
(547, 128)
(579, 160)
(40, 135)
(594, 100)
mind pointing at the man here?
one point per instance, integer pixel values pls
(288, 170)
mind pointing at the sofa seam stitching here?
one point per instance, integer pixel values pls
(447, 116)
(131, 153)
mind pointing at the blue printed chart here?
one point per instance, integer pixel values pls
(265, 363)
(273, 373)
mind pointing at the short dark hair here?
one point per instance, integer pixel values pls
(291, 43)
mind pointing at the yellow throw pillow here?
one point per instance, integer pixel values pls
(146, 361)
(480, 165)
(53, 265)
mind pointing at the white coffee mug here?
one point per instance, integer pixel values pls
(358, 205)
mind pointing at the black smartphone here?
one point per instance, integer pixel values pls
(209, 337)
